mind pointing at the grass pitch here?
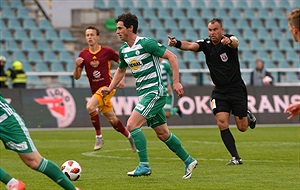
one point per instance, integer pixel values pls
(270, 155)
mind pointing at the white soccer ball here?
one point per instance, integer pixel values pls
(71, 169)
(267, 80)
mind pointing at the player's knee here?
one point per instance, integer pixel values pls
(242, 127)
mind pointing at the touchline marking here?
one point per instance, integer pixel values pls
(97, 155)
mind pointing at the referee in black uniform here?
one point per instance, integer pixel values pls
(230, 93)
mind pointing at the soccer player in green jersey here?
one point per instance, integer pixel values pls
(142, 55)
(167, 75)
(15, 136)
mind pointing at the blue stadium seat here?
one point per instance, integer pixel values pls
(27, 66)
(263, 13)
(199, 24)
(199, 4)
(43, 45)
(11, 46)
(292, 56)
(284, 4)
(256, 23)
(192, 14)
(170, 4)
(147, 33)
(112, 4)
(7, 13)
(277, 34)
(227, 22)
(185, 24)
(283, 64)
(127, 4)
(234, 13)
(185, 4)
(269, 4)
(27, 45)
(19, 55)
(66, 35)
(191, 35)
(36, 35)
(213, 4)
(228, 4)
(278, 14)
(58, 45)
(156, 23)
(22, 13)
(277, 56)
(34, 56)
(149, 13)
(14, 24)
(263, 55)
(34, 81)
(285, 45)
(7, 33)
(29, 24)
(178, 13)
(248, 56)
(2, 24)
(255, 4)
(45, 24)
(52, 35)
(65, 56)
(163, 13)
(41, 67)
(242, 44)
(170, 24)
(221, 13)
(70, 66)
(283, 24)
(143, 24)
(242, 24)
(263, 34)
(66, 81)
(161, 34)
(100, 4)
(188, 56)
(142, 4)
(270, 45)
(21, 35)
(194, 64)
(156, 4)
(241, 4)
(16, 4)
(188, 79)
(50, 57)
(255, 45)
(248, 14)
(271, 24)
(206, 14)
(57, 67)
(248, 34)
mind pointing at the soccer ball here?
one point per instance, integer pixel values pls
(71, 169)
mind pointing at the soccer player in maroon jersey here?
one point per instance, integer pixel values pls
(97, 60)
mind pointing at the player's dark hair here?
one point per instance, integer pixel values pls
(93, 28)
(129, 19)
(216, 20)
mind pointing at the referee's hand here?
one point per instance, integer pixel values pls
(172, 41)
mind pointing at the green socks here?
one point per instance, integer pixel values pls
(51, 170)
(140, 144)
(175, 145)
(4, 176)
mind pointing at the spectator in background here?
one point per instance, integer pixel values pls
(3, 76)
(17, 75)
(260, 76)
(167, 76)
(294, 26)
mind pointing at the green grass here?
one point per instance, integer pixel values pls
(270, 155)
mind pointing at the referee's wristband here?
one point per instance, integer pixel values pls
(178, 43)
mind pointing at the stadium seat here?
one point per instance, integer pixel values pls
(70, 66)
(127, 4)
(164, 14)
(192, 14)
(191, 35)
(234, 13)
(27, 45)
(269, 4)
(27, 66)
(65, 35)
(16, 4)
(21, 35)
(271, 24)
(241, 4)
(100, 4)
(22, 13)
(170, 4)
(161, 34)
(29, 24)
(156, 4)
(50, 57)
(242, 24)
(185, 24)
(58, 45)
(292, 56)
(263, 34)
(242, 43)
(149, 13)
(255, 4)
(65, 57)
(263, 55)
(285, 45)
(199, 4)
(7, 13)
(178, 13)
(263, 13)
(248, 14)
(44, 24)
(213, 4)
(11, 46)
(112, 4)
(256, 23)
(200, 24)
(147, 33)
(283, 64)
(228, 4)
(248, 34)
(41, 67)
(277, 56)
(278, 14)
(51, 35)
(43, 45)
(34, 57)
(142, 4)
(189, 56)
(188, 79)
(57, 67)
(277, 34)
(66, 81)
(206, 14)
(284, 4)
(248, 56)
(2, 24)
(194, 64)
(19, 55)
(185, 4)
(270, 45)
(221, 13)
(36, 35)
(34, 81)
(156, 23)
(14, 24)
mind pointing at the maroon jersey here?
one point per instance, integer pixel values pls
(97, 66)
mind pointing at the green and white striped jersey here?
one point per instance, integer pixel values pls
(143, 60)
(166, 73)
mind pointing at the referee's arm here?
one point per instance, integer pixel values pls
(183, 45)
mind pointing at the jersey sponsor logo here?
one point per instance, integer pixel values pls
(224, 57)
(137, 52)
(97, 74)
(94, 63)
(21, 146)
(135, 64)
(60, 104)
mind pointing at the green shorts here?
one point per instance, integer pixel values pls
(169, 103)
(15, 135)
(151, 107)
